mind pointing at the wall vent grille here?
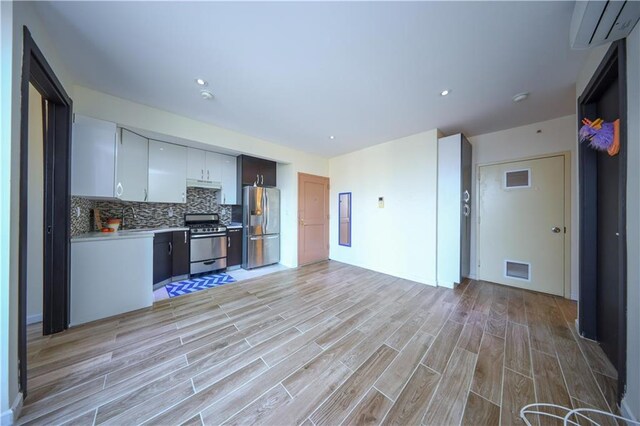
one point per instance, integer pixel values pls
(517, 179)
(517, 270)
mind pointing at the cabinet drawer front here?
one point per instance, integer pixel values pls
(208, 265)
(162, 237)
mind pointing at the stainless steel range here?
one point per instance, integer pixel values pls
(208, 242)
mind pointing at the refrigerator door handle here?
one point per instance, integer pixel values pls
(266, 213)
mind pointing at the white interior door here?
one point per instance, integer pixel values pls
(521, 229)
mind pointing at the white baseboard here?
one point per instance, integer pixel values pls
(446, 284)
(32, 319)
(6, 419)
(10, 416)
(625, 411)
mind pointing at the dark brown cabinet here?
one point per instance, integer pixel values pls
(162, 264)
(255, 170)
(234, 247)
(180, 253)
(170, 256)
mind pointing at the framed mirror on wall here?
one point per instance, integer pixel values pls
(344, 214)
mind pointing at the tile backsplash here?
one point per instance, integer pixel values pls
(81, 215)
(147, 215)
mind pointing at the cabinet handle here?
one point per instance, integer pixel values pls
(170, 247)
(257, 179)
(228, 242)
(119, 189)
(183, 196)
(202, 174)
(185, 237)
(146, 195)
(261, 179)
(208, 174)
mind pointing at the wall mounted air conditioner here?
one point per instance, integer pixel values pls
(599, 22)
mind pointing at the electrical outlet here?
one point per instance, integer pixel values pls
(170, 212)
(381, 202)
(77, 211)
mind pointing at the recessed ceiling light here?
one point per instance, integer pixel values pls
(445, 92)
(520, 97)
(206, 95)
(332, 137)
(201, 82)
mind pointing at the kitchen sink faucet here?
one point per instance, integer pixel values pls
(133, 210)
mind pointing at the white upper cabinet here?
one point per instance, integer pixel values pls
(167, 172)
(229, 193)
(204, 166)
(196, 164)
(213, 172)
(93, 156)
(132, 162)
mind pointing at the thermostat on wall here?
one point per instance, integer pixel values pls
(381, 202)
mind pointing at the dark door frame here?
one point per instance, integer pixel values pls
(612, 66)
(57, 161)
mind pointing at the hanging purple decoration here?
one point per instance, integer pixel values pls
(597, 133)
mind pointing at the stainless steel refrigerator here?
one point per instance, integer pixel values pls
(261, 226)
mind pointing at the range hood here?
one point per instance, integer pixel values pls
(196, 183)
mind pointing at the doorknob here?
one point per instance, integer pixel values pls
(555, 230)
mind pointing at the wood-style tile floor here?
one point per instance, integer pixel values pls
(325, 344)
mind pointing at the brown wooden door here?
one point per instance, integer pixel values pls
(313, 218)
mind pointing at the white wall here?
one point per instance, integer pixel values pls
(631, 401)
(399, 239)
(100, 105)
(14, 16)
(556, 136)
(35, 216)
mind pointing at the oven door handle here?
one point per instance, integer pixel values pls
(208, 236)
(209, 262)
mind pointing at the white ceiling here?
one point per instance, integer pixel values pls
(295, 73)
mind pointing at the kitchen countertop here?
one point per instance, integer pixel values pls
(127, 233)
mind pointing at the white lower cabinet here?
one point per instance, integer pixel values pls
(132, 162)
(167, 172)
(110, 277)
